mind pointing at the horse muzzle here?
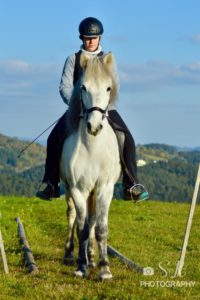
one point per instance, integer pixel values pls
(94, 130)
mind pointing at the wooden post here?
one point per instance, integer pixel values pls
(113, 252)
(28, 255)
(3, 254)
(188, 227)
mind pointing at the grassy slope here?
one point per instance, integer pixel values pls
(148, 233)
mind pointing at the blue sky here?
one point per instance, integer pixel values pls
(156, 44)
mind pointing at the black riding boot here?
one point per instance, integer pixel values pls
(54, 150)
(132, 188)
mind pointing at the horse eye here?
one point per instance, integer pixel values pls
(83, 87)
(109, 89)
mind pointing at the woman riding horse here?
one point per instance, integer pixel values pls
(91, 135)
(90, 30)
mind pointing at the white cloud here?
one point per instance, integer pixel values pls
(21, 78)
(30, 100)
(157, 74)
(195, 39)
(14, 66)
(21, 66)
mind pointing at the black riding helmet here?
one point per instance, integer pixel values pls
(90, 27)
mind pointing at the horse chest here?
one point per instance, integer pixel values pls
(88, 162)
(88, 159)
(92, 161)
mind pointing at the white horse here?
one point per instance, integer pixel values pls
(90, 163)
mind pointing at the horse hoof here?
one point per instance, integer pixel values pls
(105, 275)
(91, 265)
(68, 261)
(80, 274)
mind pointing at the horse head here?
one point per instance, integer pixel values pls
(98, 90)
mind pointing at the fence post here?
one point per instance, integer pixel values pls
(28, 255)
(188, 227)
(3, 254)
(113, 252)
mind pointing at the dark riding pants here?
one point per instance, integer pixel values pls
(60, 132)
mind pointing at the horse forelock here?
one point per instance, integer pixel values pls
(98, 70)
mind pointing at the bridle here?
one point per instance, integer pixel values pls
(86, 111)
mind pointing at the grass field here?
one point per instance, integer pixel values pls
(149, 233)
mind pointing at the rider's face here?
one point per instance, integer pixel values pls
(90, 43)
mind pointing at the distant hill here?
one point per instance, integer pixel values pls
(168, 172)
(156, 152)
(20, 175)
(10, 149)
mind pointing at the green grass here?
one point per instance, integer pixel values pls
(149, 233)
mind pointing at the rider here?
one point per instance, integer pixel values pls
(90, 30)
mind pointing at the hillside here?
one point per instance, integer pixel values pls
(10, 149)
(156, 152)
(20, 175)
(168, 173)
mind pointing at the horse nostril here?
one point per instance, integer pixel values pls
(89, 126)
(94, 131)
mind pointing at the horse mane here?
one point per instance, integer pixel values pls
(74, 110)
(95, 67)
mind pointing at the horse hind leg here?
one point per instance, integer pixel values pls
(92, 221)
(71, 220)
(90, 249)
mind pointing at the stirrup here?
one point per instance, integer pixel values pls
(138, 193)
(47, 183)
(49, 192)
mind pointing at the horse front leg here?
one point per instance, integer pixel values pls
(71, 220)
(103, 200)
(80, 202)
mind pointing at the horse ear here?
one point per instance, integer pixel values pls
(84, 60)
(108, 59)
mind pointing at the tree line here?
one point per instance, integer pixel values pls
(169, 174)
